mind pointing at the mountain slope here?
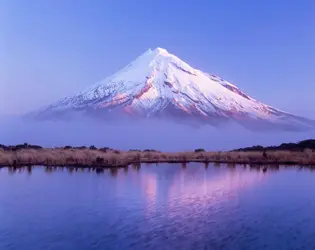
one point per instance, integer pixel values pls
(159, 84)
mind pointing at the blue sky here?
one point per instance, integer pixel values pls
(53, 48)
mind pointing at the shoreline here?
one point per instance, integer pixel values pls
(109, 158)
(256, 164)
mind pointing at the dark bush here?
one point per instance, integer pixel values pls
(264, 154)
(149, 150)
(4, 147)
(105, 149)
(34, 146)
(99, 160)
(298, 147)
(199, 150)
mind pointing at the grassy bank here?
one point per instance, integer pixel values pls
(93, 157)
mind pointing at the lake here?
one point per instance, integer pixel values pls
(164, 206)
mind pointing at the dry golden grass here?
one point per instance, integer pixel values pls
(114, 158)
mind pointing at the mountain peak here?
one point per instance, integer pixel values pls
(153, 53)
(159, 84)
(160, 50)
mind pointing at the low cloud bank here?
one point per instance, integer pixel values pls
(126, 135)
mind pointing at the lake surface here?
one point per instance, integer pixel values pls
(166, 206)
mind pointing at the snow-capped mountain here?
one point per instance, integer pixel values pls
(160, 85)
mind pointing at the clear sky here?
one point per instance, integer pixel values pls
(53, 48)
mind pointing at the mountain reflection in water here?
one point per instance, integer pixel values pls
(157, 206)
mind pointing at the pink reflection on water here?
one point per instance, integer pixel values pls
(198, 188)
(220, 188)
(150, 190)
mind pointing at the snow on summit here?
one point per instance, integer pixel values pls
(158, 84)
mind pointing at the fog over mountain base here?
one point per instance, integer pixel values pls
(144, 134)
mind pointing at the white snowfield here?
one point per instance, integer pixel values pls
(157, 81)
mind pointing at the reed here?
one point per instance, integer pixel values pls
(91, 157)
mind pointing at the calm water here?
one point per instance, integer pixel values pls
(157, 207)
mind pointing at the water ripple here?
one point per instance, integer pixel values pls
(157, 207)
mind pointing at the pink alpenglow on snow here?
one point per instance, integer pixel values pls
(158, 84)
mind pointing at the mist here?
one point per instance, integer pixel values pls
(149, 134)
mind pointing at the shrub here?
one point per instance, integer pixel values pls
(149, 150)
(34, 146)
(105, 149)
(99, 160)
(264, 154)
(134, 150)
(198, 150)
